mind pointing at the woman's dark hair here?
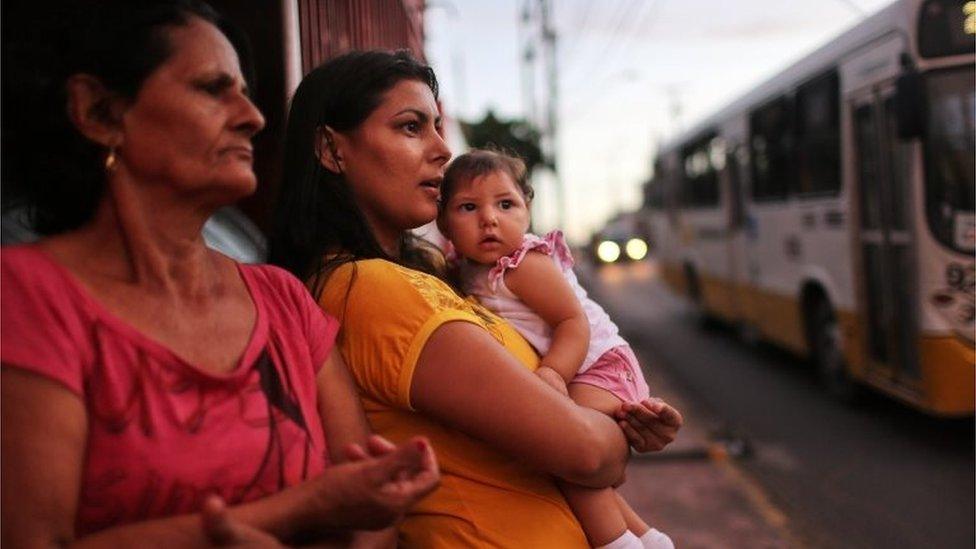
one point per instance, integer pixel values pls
(481, 162)
(49, 167)
(318, 225)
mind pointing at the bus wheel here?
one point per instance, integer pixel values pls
(825, 350)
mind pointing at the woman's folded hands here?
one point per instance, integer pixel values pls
(372, 490)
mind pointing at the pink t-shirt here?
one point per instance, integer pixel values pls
(162, 433)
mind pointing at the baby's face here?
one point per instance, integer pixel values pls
(486, 218)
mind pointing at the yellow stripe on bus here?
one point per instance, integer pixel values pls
(949, 374)
(947, 364)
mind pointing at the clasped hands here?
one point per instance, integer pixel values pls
(369, 492)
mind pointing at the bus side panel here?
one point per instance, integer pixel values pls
(735, 179)
(707, 254)
(665, 224)
(780, 321)
(950, 377)
(674, 277)
(772, 252)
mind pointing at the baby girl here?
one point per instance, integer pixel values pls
(529, 281)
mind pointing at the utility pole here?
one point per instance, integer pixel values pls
(538, 43)
(549, 42)
(675, 108)
(527, 56)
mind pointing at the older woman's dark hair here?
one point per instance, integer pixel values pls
(316, 215)
(48, 166)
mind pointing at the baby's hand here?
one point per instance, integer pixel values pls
(649, 425)
(553, 378)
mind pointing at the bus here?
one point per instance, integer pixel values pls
(830, 210)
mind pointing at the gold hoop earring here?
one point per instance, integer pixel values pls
(111, 160)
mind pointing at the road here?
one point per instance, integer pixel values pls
(875, 474)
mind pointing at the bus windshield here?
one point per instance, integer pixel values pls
(950, 147)
(945, 27)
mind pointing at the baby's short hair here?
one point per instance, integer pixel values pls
(481, 162)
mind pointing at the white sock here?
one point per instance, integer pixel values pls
(656, 539)
(627, 541)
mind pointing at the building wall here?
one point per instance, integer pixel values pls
(321, 30)
(326, 28)
(331, 27)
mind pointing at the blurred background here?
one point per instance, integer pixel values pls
(774, 200)
(616, 79)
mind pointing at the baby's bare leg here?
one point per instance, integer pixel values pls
(634, 523)
(597, 511)
(594, 397)
(603, 513)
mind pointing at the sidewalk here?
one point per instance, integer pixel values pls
(694, 492)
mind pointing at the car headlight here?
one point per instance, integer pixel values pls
(608, 251)
(636, 249)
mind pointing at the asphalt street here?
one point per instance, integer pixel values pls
(875, 474)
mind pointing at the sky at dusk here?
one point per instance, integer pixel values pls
(624, 65)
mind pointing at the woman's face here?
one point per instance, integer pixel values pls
(191, 123)
(394, 161)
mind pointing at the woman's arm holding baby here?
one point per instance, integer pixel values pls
(539, 283)
(466, 380)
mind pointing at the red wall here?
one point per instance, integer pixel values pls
(331, 27)
(326, 28)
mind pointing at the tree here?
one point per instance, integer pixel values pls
(515, 136)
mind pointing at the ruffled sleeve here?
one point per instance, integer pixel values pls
(552, 244)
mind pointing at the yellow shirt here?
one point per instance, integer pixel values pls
(486, 499)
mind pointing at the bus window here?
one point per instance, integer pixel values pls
(771, 145)
(701, 161)
(818, 136)
(897, 153)
(949, 149)
(946, 27)
(654, 193)
(654, 188)
(868, 166)
(736, 215)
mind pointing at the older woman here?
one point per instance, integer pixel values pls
(364, 160)
(144, 371)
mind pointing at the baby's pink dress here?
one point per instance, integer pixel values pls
(610, 363)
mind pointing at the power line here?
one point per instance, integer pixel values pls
(579, 30)
(643, 24)
(623, 42)
(617, 19)
(850, 4)
(583, 21)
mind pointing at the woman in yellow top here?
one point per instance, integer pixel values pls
(364, 158)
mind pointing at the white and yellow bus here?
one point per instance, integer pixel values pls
(830, 209)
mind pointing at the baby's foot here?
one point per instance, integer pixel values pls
(656, 539)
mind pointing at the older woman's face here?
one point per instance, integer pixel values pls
(394, 161)
(191, 124)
